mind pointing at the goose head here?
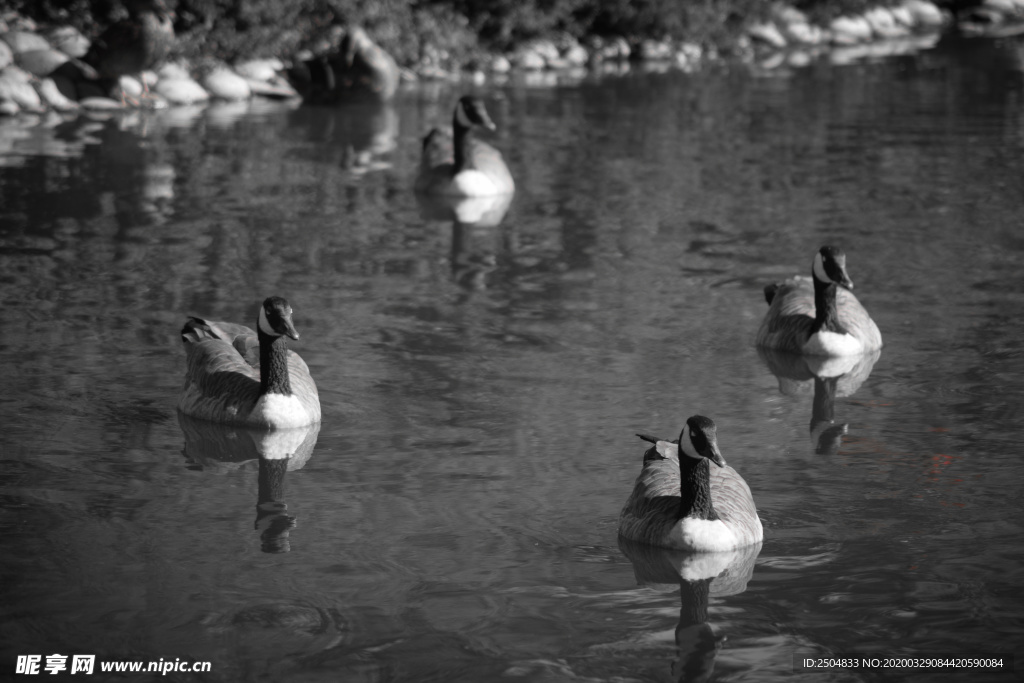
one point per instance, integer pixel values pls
(830, 266)
(470, 112)
(699, 439)
(276, 318)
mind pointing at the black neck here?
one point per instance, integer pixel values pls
(463, 138)
(695, 488)
(273, 365)
(826, 313)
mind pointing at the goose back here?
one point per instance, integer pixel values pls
(790, 318)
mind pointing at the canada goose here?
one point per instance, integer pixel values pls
(358, 71)
(135, 44)
(240, 377)
(460, 165)
(818, 316)
(678, 502)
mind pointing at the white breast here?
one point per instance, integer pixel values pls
(472, 183)
(826, 343)
(701, 535)
(280, 411)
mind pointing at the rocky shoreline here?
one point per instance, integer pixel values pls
(41, 67)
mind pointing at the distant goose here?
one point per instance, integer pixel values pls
(818, 316)
(135, 44)
(461, 165)
(240, 377)
(679, 502)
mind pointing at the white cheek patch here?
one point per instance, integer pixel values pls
(264, 324)
(819, 269)
(826, 343)
(686, 445)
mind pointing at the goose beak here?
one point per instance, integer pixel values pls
(715, 455)
(289, 329)
(846, 281)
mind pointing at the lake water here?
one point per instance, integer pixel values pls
(454, 518)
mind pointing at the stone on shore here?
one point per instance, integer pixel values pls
(41, 63)
(224, 84)
(24, 41)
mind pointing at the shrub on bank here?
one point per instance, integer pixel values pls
(424, 31)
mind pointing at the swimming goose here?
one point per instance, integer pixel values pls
(818, 316)
(460, 165)
(240, 377)
(679, 502)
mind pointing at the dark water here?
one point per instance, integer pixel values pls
(454, 518)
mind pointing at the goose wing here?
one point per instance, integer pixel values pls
(303, 386)
(787, 324)
(437, 165)
(242, 338)
(734, 503)
(219, 384)
(653, 507)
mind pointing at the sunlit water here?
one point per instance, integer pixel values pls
(482, 381)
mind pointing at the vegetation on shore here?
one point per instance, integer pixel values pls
(446, 33)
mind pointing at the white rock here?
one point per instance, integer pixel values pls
(100, 104)
(767, 33)
(130, 86)
(24, 41)
(15, 87)
(850, 30)
(172, 71)
(500, 64)
(41, 63)
(902, 16)
(925, 13)
(225, 84)
(259, 69)
(181, 91)
(51, 94)
(802, 33)
(576, 55)
(786, 14)
(6, 55)
(529, 60)
(8, 108)
(883, 24)
(655, 50)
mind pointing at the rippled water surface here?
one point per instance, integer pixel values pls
(454, 518)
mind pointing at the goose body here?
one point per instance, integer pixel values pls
(239, 377)
(680, 502)
(359, 71)
(135, 44)
(458, 164)
(818, 315)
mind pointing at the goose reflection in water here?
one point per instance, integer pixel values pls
(700, 576)
(831, 378)
(474, 233)
(214, 447)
